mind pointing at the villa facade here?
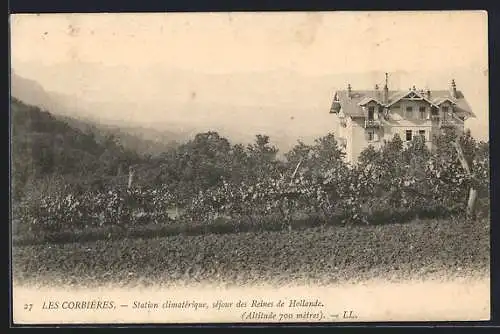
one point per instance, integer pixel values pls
(369, 117)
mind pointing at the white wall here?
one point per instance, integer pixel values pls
(398, 123)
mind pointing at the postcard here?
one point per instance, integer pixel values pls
(250, 167)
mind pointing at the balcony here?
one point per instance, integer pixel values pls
(446, 123)
(372, 123)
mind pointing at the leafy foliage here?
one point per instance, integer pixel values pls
(213, 180)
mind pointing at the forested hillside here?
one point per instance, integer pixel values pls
(146, 141)
(44, 147)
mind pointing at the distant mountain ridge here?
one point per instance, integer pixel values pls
(139, 139)
(149, 138)
(241, 102)
(173, 105)
(32, 93)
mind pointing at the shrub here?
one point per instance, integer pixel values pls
(393, 184)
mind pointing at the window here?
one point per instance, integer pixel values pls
(422, 134)
(371, 112)
(422, 112)
(409, 112)
(370, 135)
(445, 113)
(408, 135)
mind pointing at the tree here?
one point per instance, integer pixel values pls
(369, 155)
(238, 163)
(300, 152)
(262, 160)
(197, 165)
(315, 159)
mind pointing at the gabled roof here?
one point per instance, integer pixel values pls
(368, 99)
(439, 100)
(353, 106)
(401, 95)
(460, 102)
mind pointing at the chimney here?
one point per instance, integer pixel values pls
(428, 93)
(377, 93)
(335, 105)
(349, 91)
(453, 89)
(386, 89)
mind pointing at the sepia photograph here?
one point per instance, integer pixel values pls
(249, 167)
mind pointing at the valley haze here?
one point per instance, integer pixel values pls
(198, 72)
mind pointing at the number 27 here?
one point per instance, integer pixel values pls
(28, 307)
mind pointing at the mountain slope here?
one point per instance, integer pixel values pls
(32, 93)
(138, 140)
(44, 146)
(66, 108)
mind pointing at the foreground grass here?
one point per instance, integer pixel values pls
(316, 255)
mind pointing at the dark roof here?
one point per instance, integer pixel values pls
(460, 102)
(352, 106)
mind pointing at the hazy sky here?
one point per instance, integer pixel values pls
(106, 55)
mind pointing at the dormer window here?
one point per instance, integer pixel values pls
(445, 111)
(371, 113)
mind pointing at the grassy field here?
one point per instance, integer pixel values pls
(320, 255)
